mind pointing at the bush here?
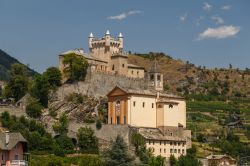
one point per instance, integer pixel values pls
(75, 98)
(34, 109)
(98, 124)
(52, 112)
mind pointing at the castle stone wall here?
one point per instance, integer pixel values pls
(99, 84)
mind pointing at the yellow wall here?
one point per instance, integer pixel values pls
(135, 73)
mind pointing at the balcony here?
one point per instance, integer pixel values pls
(19, 163)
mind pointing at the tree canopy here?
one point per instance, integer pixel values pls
(75, 67)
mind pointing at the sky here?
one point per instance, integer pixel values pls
(209, 33)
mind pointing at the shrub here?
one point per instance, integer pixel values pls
(34, 109)
(98, 124)
(75, 98)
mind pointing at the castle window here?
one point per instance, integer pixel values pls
(171, 143)
(160, 150)
(134, 103)
(164, 150)
(183, 144)
(132, 71)
(170, 106)
(174, 143)
(179, 143)
(152, 77)
(113, 67)
(123, 65)
(158, 77)
(149, 142)
(183, 151)
(179, 151)
(164, 142)
(171, 134)
(175, 150)
(171, 150)
(152, 105)
(137, 72)
(143, 104)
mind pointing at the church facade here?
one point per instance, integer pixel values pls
(107, 55)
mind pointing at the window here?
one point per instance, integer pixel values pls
(124, 120)
(16, 157)
(164, 150)
(183, 151)
(171, 134)
(143, 104)
(137, 72)
(149, 142)
(170, 106)
(152, 77)
(179, 143)
(160, 150)
(160, 142)
(153, 142)
(179, 151)
(171, 150)
(164, 142)
(152, 105)
(171, 143)
(183, 144)
(134, 103)
(175, 150)
(132, 71)
(118, 120)
(158, 77)
(123, 65)
(113, 67)
(174, 143)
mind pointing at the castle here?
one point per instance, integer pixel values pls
(107, 55)
(159, 117)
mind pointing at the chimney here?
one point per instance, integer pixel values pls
(7, 137)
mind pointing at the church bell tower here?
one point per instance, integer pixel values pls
(155, 77)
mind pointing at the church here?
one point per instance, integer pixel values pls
(106, 54)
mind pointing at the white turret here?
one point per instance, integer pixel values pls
(91, 37)
(120, 38)
(107, 33)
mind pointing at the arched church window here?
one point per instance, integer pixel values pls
(158, 77)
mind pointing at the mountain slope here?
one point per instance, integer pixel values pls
(5, 64)
(184, 77)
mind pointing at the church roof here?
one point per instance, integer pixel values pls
(154, 68)
(147, 92)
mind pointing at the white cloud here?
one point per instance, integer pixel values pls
(124, 15)
(207, 6)
(183, 17)
(217, 19)
(226, 7)
(198, 21)
(219, 33)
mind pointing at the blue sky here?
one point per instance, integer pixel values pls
(211, 33)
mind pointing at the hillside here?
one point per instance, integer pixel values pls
(5, 64)
(186, 78)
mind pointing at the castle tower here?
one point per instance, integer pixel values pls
(155, 77)
(91, 37)
(120, 38)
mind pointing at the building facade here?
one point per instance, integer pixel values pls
(106, 55)
(160, 118)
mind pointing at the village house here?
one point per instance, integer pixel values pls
(220, 160)
(12, 149)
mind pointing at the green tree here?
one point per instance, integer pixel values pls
(172, 160)
(87, 141)
(118, 154)
(53, 76)
(61, 127)
(6, 119)
(65, 142)
(156, 161)
(76, 67)
(18, 84)
(138, 141)
(98, 124)
(40, 89)
(34, 109)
